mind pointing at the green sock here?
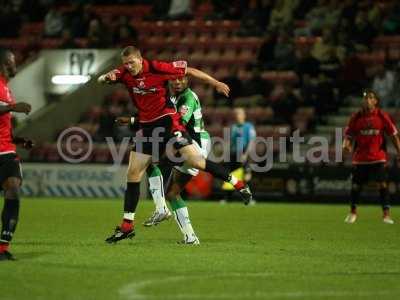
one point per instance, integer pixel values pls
(177, 203)
(181, 215)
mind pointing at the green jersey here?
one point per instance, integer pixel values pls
(188, 104)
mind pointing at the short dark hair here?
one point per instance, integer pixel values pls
(131, 50)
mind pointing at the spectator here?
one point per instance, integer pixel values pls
(284, 56)
(98, 36)
(53, 22)
(282, 14)
(325, 51)
(179, 9)
(78, 19)
(315, 18)
(265, 9)
(363, 31)
(383, 85)
(67, 40)
(124, 33)
(392, 23)
(326, 13)
(251, 20)
(374, 14)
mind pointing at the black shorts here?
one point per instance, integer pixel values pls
(369, 172)
(153, 137)
(9, 167)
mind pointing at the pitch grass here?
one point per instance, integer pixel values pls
(267, 251)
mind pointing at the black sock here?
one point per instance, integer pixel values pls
(217, 170)
(355, 196)
(9, 219)
(384, 197)
(131, 196)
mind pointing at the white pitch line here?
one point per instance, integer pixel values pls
(134, 291)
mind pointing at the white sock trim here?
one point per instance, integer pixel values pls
(129, 216)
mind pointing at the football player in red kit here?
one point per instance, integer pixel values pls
(365, 133)
(10, 171)
(160, 123)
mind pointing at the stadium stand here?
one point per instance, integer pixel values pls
(331, 58)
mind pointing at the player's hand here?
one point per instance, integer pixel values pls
(22, 107)
(347, 148)
(111, 76)
(222, 88)
(123, 121)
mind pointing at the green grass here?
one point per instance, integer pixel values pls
(267, 251)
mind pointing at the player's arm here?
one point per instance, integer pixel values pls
(392, 132)
(347, 145)
(20, 107)
(110, 77)
(348, 134)
(396, 142)
(221, 87)
(180, 68)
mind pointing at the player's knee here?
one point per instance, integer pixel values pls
(134, 175)
(12, 192)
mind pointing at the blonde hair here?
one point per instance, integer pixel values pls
(131, 50)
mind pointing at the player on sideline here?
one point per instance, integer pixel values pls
(146, 82)
(10, 171)
(366, 129)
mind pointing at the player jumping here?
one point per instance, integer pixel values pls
(366, 129)
(188, 105)
(146, 82)
(10, 170)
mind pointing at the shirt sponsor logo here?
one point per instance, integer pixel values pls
(143, 91)
(370, 132)
(180, 64)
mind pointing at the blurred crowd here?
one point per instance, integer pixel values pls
(328, 70)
